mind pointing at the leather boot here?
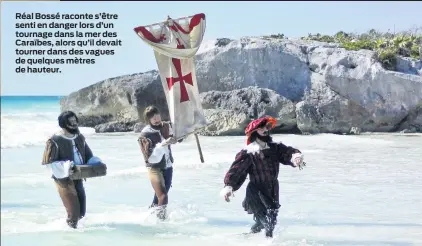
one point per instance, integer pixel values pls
(257, 227)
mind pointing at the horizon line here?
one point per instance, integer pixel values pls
(32, 95)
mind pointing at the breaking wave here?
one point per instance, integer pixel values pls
(19, 130)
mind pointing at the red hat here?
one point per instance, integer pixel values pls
(267, 122)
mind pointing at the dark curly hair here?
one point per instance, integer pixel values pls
(64, 118)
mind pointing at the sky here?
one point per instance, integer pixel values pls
(224, 19)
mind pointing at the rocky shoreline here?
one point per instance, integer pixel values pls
(310, 87)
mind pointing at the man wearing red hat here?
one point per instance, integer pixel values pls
(261, 160)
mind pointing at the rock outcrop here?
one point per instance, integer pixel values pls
(233, 110)
(117, 103)
(349, 88)
(311, 86)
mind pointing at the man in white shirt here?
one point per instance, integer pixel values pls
(155, 141)
(63, 151)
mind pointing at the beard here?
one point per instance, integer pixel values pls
(267, 138)
(156, 127)
(73, 130)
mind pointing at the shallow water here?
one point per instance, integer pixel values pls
(355, 190)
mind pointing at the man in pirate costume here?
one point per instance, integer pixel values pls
(261, 160)
(155, 140)
(63, 151)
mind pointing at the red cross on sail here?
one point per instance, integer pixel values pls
(180, 78)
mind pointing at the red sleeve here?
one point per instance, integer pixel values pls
(238, 171)
(285, 153)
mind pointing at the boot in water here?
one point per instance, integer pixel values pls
(72, 224)
(257, 227)
(162, 213)
(269, 234)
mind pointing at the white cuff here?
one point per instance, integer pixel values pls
(226, 190)
(297, 155)
(157, 153)
(61, 169)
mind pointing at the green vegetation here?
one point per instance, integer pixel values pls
(387, 46)
(274, 36)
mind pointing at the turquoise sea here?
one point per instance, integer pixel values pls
(356, 190)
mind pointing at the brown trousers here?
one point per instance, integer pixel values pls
(72, 193)
(158, 183)
(161, 180)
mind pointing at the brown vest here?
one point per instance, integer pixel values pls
(61, 149)
(149, 140)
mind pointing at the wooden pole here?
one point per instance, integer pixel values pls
(197, 139)
(199, 148)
